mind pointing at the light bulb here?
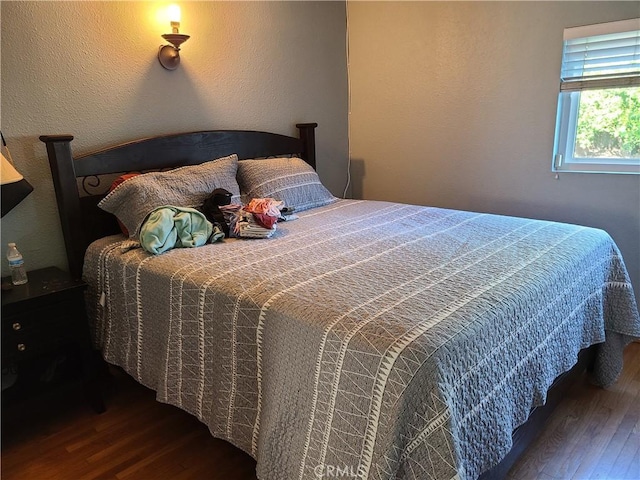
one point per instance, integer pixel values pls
(174, 13)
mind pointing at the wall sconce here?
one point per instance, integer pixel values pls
(169, 55)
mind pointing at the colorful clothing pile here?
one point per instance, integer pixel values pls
(258, 218)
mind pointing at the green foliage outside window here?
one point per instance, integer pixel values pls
(609, 123)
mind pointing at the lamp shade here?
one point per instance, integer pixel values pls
(14, 187)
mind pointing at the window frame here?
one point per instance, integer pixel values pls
(565, 140)
(563, 159)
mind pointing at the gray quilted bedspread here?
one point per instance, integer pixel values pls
(366, 339)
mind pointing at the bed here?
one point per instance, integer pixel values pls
(364, 339)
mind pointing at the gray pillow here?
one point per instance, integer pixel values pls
(132, 200)
(290, 180)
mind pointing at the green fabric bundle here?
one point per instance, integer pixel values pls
(170, 227)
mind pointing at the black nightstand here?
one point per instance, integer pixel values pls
(45, 339)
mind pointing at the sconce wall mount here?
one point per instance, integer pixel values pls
(169, 55)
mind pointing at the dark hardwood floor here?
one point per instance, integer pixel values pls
(594, 433)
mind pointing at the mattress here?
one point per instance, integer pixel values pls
(372, 339)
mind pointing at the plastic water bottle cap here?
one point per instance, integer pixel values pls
(12, 244)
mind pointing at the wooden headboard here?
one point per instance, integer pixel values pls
(81, 219)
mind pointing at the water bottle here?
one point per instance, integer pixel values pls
(16, 264)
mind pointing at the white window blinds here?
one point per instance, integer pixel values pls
(601, 56)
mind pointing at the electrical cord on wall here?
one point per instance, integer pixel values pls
(346, 187)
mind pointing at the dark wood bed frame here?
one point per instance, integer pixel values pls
(81, 219)
(83, 222)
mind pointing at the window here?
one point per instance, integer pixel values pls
(598, 120)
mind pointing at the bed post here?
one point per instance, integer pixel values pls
(308, 137)
(67, 197)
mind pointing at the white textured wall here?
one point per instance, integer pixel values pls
(453, 104)
(90, 69)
